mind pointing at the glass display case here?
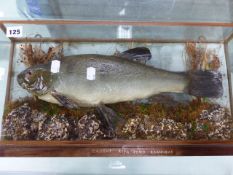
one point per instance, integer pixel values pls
(116, 78)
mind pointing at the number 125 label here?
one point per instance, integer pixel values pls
(15, 31)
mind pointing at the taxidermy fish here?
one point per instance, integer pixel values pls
(94, 80)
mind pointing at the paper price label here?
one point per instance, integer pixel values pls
(55, 66)
(15, 31)
(91, 73)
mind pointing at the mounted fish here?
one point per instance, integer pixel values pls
(94, 80)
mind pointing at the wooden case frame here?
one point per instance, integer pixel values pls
(105, 148)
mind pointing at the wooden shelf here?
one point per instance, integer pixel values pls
(108, 148)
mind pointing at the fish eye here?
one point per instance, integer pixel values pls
(29, 74)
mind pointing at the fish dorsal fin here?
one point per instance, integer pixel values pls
(140, 54)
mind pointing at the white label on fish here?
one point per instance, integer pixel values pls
(55, 66)
(91, 73)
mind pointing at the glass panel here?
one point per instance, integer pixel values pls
(123, 10)
(4, 64)
(159, 33)
(230, 55)
(90, 78)
(148, 76)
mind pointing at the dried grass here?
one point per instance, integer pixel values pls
(199, 57)
(33, 55)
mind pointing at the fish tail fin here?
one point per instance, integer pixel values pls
(205, 84)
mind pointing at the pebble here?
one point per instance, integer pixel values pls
(165, 129)
(55, 128)
(16, 125)
(89, 128)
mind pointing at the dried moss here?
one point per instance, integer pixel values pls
(180, 113)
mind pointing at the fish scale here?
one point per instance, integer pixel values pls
(116, 80)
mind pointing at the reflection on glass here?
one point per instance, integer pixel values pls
(124, 32)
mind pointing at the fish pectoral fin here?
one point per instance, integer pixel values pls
(64, 100)
(109, 118)
(140, 54)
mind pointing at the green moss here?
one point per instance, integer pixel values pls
(193, 130)
(144, 108)
(205, 127)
